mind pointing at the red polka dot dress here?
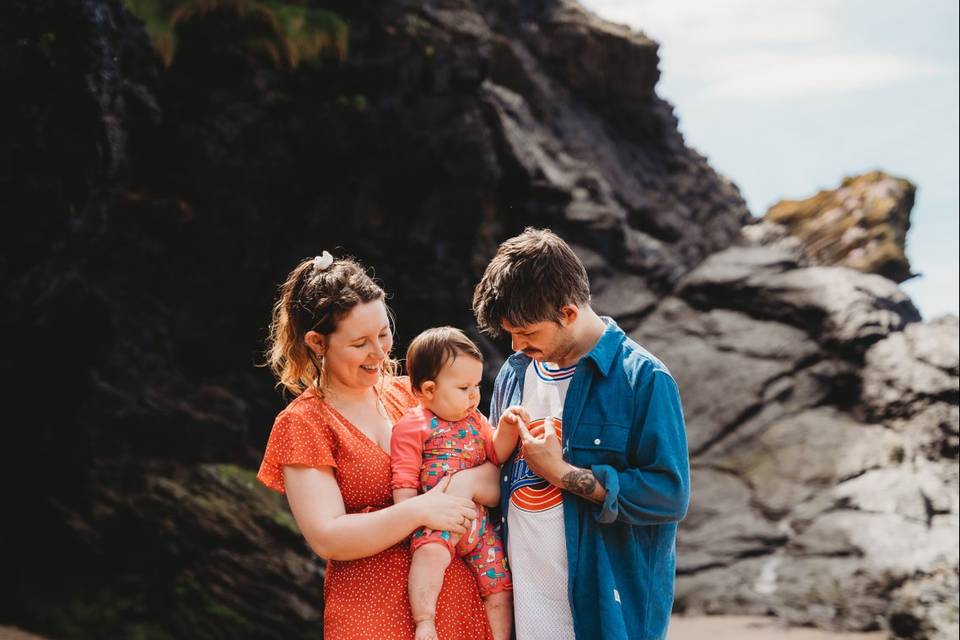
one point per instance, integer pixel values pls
(366, 599)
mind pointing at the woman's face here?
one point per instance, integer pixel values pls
(353, 353)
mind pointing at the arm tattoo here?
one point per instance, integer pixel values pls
(580, 481)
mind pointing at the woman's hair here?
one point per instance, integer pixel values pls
(433, 349)
(529, 279)
(316, 295)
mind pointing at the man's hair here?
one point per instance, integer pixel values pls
(529, 279)
(433, 349)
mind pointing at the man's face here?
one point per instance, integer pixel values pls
(547, 341)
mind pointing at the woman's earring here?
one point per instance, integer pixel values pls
(318, 365)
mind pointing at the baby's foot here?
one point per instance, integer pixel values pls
(426, 630)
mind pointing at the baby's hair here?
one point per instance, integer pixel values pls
(433, 349)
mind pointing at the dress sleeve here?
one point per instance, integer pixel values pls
(296, 440)
(406, 452)
(397, 397)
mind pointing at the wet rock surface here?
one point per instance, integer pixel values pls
(156, 207)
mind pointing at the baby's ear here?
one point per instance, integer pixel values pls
(427, 389)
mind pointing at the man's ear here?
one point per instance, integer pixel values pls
(569, 314)
(428, 389)
(315, 342)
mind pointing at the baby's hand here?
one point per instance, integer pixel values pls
(514, 417)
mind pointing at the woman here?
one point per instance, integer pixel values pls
(329, 344)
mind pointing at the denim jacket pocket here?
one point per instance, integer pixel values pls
(599, 444)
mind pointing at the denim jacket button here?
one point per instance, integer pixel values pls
(597, 441)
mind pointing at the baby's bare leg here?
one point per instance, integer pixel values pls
(426, 578)
(500, 614)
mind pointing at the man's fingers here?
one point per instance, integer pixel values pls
(516, 415)
(548, 427)
(524, 432)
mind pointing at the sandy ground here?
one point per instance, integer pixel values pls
(681, 628)
(750, 628)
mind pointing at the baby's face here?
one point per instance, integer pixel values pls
(455, 393)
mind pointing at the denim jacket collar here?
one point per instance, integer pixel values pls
(607, 347)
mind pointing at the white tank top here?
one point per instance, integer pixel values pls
(536, 546)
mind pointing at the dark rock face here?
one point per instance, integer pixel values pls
(155, 210)
(823, 421)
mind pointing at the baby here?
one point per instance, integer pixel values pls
(441, 436)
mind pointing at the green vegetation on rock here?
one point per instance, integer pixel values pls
(287, 32)
(862, 224)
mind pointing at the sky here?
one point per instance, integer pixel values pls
(786, 98)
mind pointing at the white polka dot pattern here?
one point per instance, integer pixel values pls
(366, 598)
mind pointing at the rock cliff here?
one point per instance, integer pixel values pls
(157, 195)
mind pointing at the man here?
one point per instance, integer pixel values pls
(590, 502)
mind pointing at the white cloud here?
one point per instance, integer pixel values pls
(739, 23)
(770, 75)
(761, 49)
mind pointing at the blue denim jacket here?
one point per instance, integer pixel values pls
(622, 419)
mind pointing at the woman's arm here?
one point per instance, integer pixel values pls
(401, 495)
(481, 483)
(317, 506)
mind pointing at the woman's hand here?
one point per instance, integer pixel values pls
(479, 483)
(317, 506)
(444, 511)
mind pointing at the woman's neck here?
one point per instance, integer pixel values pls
(341, 394)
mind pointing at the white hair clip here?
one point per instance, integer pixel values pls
(322, 261)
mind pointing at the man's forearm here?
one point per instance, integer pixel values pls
(580, 482)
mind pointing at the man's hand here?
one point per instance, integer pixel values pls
(543, 454)
(545, 458)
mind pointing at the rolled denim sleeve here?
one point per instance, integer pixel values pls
(655, 488)
(498, 400)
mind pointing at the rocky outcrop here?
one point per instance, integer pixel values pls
(841, 307)
(823, 422)
(204, 551)
(157, 207)
(862, 224)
